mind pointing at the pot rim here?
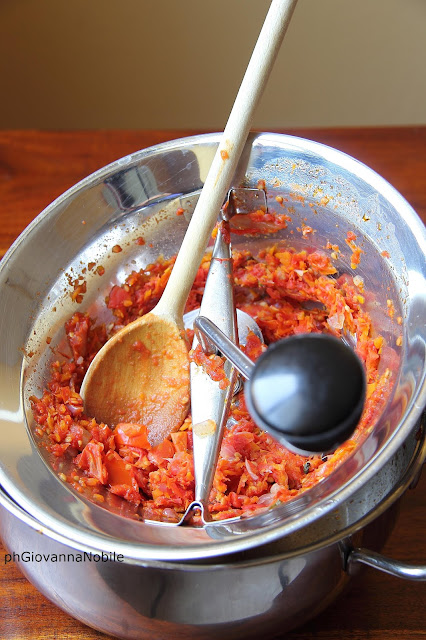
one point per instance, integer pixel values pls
(413, 469)
(292, 522)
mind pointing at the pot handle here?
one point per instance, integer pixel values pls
(387, 565)
(383, 563)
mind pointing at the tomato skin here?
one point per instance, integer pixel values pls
(132, 435)
(91, 460)
(180, 440)
(84, 338)
(77, 330)
(119, 472)
(160, 454)
(118, 297)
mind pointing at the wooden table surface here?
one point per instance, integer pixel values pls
(35, 168)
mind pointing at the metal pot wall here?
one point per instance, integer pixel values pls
(267, 591)
(261, 570)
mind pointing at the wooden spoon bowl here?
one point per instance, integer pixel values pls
(147, 384)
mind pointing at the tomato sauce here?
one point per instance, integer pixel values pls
(287, 292)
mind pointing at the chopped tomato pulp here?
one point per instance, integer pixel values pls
(286, 292)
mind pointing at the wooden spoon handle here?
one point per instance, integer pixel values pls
(224, 163)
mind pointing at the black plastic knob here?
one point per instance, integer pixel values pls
(308, 391)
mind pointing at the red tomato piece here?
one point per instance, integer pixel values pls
(180, 440)
(118, 298)
(119, 472)
(160, 454)
(131, 434)
(90, 460)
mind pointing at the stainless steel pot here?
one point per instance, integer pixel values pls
(255, 570)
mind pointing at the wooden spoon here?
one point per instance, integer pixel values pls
(141, 375)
